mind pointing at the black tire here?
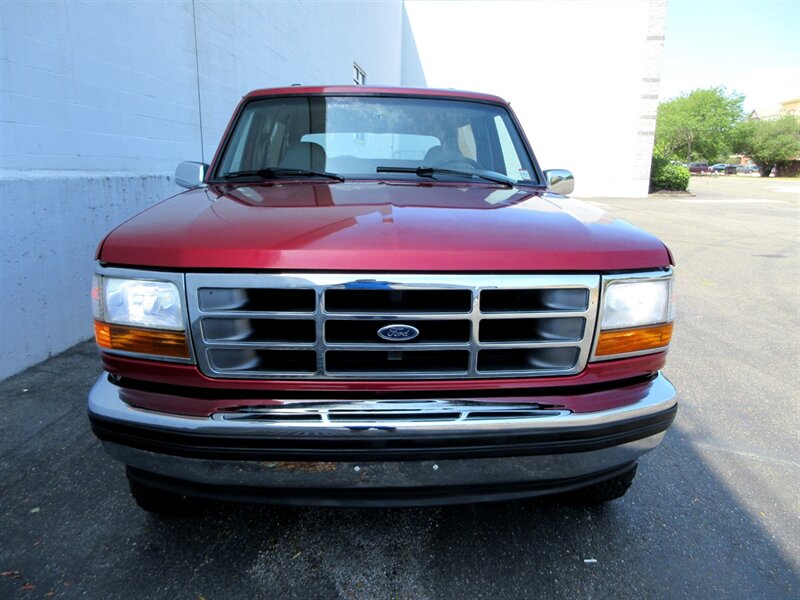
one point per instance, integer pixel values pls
(160, 502)
(605, 491)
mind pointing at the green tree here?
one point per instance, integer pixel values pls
(769, 143)
(698, 124)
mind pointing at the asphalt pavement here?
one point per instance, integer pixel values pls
(713, 513)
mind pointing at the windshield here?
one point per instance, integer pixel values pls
(361, 137)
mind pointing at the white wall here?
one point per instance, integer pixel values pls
(281, 43)
(99, 102)
(113, 85)
(47, 249)
(582, 77)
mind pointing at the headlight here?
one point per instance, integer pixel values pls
(155, 304)
(636, 317)
(139, 316)
(631, 304)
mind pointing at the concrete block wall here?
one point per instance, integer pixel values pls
(47, 250)
(286, 43)
(97, 86)
(99, 101)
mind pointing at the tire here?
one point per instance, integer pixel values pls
(160, 502)
(605, 491)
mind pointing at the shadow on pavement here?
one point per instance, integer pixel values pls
(69, 527)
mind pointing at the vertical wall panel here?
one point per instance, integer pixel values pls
(99, 102)
(573, 72)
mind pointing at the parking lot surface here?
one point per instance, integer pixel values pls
(714, 512)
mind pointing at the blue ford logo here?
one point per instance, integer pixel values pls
(398, 333)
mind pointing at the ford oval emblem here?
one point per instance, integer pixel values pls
(398, 333)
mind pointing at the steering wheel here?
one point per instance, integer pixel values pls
(460, 160)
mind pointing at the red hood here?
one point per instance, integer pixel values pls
(378, 226)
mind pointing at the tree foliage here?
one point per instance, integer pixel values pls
(769, 143)
(698, 125)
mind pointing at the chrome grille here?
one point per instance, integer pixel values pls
(325, 326)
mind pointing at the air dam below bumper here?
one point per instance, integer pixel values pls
(380, 461)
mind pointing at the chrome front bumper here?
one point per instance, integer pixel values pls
(503, 451)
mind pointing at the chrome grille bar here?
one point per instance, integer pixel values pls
(388, 414)
(548, 301)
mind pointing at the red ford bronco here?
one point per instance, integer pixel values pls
(374, 296)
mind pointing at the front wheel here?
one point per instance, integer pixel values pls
(160, 502)
(605, 491)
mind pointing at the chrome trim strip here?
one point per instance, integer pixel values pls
(320, 282)
(158, 357)
(384, 412)
(631, 354)
(395, 346)
(655, 396)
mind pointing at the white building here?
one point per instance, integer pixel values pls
(101, 100)
(582, 76)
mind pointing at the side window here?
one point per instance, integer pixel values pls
(235, 161)
(513, 168)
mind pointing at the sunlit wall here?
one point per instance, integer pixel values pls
(583, 77)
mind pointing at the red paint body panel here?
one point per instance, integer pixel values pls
(190, 376)
(379, 226)
(364, 90)
(194, 407)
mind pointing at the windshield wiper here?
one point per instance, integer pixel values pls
(431, 171)
(275, 173)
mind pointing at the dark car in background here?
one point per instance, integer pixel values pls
(699, 168)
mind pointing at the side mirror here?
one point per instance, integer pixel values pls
(190, 174)
(560, 181)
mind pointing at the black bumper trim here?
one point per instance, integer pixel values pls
(386, 497)
(374, 445)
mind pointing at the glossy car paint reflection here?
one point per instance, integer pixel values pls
(379, 226)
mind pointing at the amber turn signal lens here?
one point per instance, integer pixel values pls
(157, 342)
(637, 339)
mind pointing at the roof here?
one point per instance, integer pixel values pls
(765, 113)
(366, 90)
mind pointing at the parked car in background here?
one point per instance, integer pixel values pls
(718, 168)
(699, 168)
(747, 169)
